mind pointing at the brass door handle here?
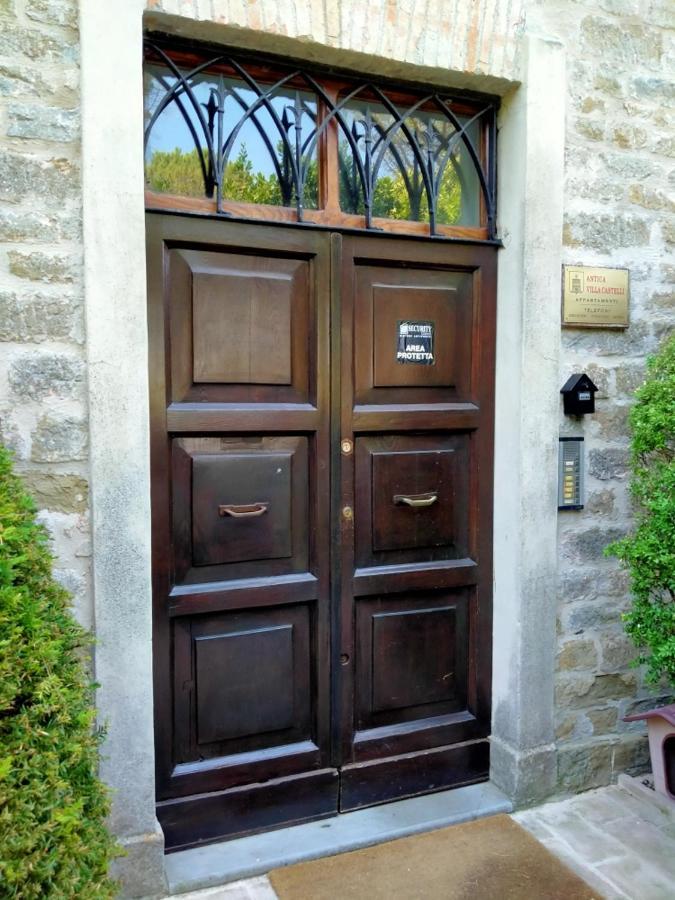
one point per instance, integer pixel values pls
(243, 511)
(416, 499)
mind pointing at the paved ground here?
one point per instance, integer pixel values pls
(620, 842)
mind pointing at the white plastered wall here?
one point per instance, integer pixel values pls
(530, 214)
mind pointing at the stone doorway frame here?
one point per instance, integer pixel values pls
(530, 212)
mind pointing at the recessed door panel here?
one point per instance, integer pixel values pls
(250, 682)
(239, 327)
(413, 333)
(411, 657)
(404, 356)
(240, 507)
(413, 500)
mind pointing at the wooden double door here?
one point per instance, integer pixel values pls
(321, 435)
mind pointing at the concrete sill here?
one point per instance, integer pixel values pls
(217, 864)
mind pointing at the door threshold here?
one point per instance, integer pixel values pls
(216, 864)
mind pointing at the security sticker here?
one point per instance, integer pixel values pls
(415, 343)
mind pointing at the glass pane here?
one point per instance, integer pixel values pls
(264, 154)
(399, 190)
(173, 158)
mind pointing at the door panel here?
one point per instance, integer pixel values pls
(238, 326)
(412, 501)
(321, 438)
(417, 327)
(388, 297)
(240, 507)
(239, 322)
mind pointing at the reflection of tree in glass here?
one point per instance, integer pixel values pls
(399, 191)
(179, 172)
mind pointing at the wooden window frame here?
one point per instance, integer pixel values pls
(266, 70)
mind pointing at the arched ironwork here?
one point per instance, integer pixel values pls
(420, 150)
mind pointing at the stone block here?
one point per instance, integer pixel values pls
(604, 232)
(45, 123)
(608, 85)
(590, 616)
(664, 300)
(608, 464)
(604, 720)
(665, 146)
(601, 377)
(16, 225)
(36, 318)
(642, 196)
(629, 378)
(11, 436)
(47, 267)
(631, 755)
(59, 439)
(37, 376)
(657, 89)
(578, 654)
(624, 45)
(629, 166)
(53, 12)
(592, 131)
(74, 582)
(15, 40)
(588, 544)
(590, 186)
(633, 341)
(582, 690)
(57, 492)
(629, 137)
(592, 104)
(616, 651)
(22, 175)
(600, 503)
(611, 424)
(668, 231)
(574, 585)
(584, 766)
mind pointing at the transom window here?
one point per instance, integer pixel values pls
(255, 139)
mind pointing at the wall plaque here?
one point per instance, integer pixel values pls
(595, 297)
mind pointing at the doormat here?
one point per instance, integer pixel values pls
(487, 859)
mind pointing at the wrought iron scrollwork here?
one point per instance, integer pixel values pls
(422, 142)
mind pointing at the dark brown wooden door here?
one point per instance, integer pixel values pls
(321, 438)
(416, 427)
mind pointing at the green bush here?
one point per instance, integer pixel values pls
(649, 552)
(53, 841)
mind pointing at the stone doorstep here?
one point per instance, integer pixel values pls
(633, 784)
(228, 861)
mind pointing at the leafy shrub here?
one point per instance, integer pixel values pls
(53, 841)
(649, 552)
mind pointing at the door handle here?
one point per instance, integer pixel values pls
(243, 511)
(417, 500)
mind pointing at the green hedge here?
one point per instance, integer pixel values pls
(53, 841)
(648, 553)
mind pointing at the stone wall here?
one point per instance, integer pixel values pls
(43, 414)
(619, 211)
